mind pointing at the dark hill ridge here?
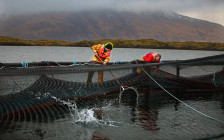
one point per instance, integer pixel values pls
(110, 25)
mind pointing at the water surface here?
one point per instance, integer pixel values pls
(153, 115)
(41, 53)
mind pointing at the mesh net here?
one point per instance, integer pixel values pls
(25, 88)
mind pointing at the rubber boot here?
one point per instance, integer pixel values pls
(89, 77)
(100, 77)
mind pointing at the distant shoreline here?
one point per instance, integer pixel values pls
(119, 43)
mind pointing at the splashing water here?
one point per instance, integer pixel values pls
(91, 118)
(85, 115)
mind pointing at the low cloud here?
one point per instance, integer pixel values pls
(203, 9)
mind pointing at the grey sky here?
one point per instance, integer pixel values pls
(211, 10)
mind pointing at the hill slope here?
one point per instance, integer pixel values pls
(110, 25)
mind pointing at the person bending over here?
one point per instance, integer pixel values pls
(150, 58)
(101, 55)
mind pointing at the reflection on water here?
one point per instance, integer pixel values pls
(151, 115)
(147, 112)
(155, 115)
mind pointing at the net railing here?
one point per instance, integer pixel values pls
(207, 71)
(25, 88)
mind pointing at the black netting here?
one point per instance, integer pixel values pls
(38, 86)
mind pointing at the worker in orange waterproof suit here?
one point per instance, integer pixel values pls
(150, 58)
(101, 55)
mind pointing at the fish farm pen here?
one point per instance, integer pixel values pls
(30, 91)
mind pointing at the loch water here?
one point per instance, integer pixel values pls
(146, 115)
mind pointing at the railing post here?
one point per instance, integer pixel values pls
(178, 71)
(223, 75)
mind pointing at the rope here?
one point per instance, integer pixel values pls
(57, 63)
(179, 99)
(24, 64)
(2, 67)
(122, 89)
(213, 74)
(118, 62)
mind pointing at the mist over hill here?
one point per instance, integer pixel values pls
(93, 25)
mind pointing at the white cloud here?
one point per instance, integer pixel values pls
(211, 10)
(212, 13)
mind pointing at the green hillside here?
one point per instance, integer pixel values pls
(118, 43)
